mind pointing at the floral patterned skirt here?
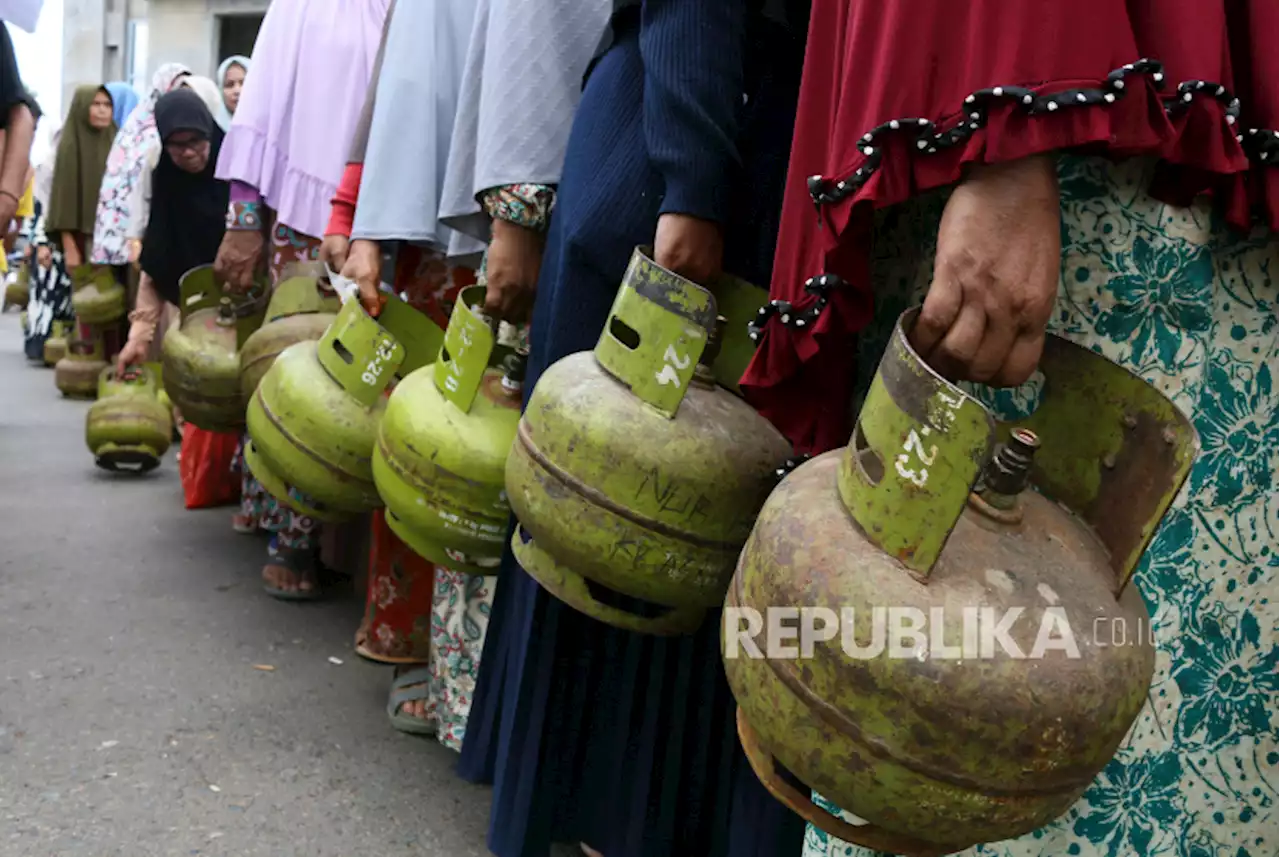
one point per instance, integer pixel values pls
(293, 530)
(416, 611)
(1171, 295)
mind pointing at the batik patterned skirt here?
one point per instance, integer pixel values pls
(416, 611)
(1171, 295)
(293, 530)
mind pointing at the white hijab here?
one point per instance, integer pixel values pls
(221, 114)
(211, 94)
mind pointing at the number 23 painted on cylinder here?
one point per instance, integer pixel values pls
(913, 452)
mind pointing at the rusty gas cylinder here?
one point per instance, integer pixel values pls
(954, 734)
(633, 472)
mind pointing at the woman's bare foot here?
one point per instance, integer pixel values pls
(243, 523)
(416, 708)
(291, 572)
(286, 579)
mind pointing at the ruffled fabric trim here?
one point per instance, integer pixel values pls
(299, 199)
(1196, 132)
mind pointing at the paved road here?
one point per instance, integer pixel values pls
(132, 721)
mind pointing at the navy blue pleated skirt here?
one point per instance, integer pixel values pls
(589, 733)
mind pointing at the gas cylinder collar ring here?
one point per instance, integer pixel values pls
(230, 310)
(1006, 476)
(702, 373)
(513, 376)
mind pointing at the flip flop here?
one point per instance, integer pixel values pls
(301, 563)
(410, 686)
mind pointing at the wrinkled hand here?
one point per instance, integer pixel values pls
(364, 268)
(333, 251)
(689, 246)
(238, 257)
(995, 277)
(133, 353)
(511, 272)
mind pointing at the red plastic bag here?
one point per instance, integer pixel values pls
(207, 475)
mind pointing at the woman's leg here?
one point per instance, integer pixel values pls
(291, 569)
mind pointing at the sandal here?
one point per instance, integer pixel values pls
(303, 564)
(410, 686)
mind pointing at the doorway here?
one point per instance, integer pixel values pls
(236, 35)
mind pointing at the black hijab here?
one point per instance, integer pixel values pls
(188, 210)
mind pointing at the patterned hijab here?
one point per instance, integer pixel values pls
(130, 156)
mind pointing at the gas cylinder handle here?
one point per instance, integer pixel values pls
(657, 330)
(88, 349)
(414, 330)
(134, 375)
(466, 351)
(359, 354)
(919, 445)
(198, 290)
(1115, 450)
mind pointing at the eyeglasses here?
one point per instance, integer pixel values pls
(178, 147)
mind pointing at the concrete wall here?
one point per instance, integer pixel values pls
(94, 36)
(186, 31)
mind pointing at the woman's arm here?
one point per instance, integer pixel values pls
(70, 249)
(146, 311)
(520, 214)
(693, 70)
(18, 134)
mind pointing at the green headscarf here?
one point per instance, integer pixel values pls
(78, 167)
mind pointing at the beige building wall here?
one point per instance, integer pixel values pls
(96, 36)
(187, 31)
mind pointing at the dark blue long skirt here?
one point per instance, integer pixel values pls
(588, 733)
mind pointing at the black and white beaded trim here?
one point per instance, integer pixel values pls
(1259, 145)
(818, 286)
(791, 464)
(976, 108)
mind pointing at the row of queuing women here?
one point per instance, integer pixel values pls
(93, 199)
(1115, 185)
(341, 163)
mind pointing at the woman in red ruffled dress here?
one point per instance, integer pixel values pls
(1106, 171)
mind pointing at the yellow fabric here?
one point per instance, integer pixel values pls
(27, 205)
(26, 208)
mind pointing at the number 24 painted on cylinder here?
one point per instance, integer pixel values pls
(668, 374)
